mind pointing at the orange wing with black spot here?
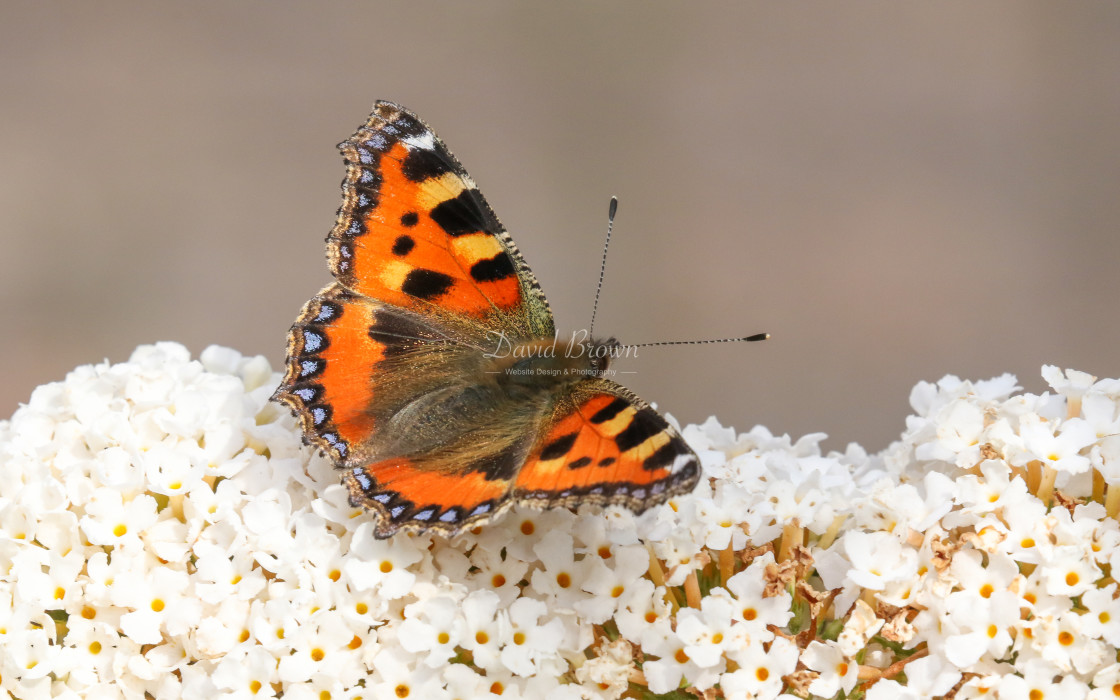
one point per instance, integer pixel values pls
(605, 445)
(334, 349)
(414, 231)
(348, 377)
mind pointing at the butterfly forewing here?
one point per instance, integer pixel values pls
(413, 230)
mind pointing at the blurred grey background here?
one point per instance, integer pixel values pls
(895, 191)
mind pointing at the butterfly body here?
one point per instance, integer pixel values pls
(430, 371)
(461, 405)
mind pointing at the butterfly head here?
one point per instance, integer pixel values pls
(601, 353)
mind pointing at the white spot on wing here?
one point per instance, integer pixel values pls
(680, 463)
(425, 141)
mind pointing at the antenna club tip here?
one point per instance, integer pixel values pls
(613, 207)
(759, 336)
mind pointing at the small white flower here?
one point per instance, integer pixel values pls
(836, 671)
(1058, 450)
(527, 644)
(1067, 571)
(398, 676)
(998, 573)
(30, 657)
(321, 648)
(271, 622)
(643, 613)
(708, 632)
(1100, 412)
(1105, 683)
(493, 573)
(221, 631)
(159, 602)
(562, 578)
(1064, 644)
(756, 611)
(996, 489)
(1034, 596)
(981, 624)
(721, 516)
(960, 427)
(92, 648)
(109, 520)
(608, 584)
(519, 532)
(878, 558)
(381, 565)
(681, 554)
(1071, 384)
(482, 623)
(220, 575)
(48, 579)
(432, 629)
(1102, 617)
(674, 664)
(798, 494)
(760, 671)
(251, 675)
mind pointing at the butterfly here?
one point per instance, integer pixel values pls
(430, 370)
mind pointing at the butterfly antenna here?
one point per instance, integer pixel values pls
(603, 268)
(747, 339)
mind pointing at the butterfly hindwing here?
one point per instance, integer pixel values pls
(341, 378)
(330, 359)
(414, 231)
(403, 496)
(391, 395)
(602, 445)
(605, 445)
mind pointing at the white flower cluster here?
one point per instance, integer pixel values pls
(163, 533)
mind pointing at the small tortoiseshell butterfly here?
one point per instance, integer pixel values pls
(430, 370)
